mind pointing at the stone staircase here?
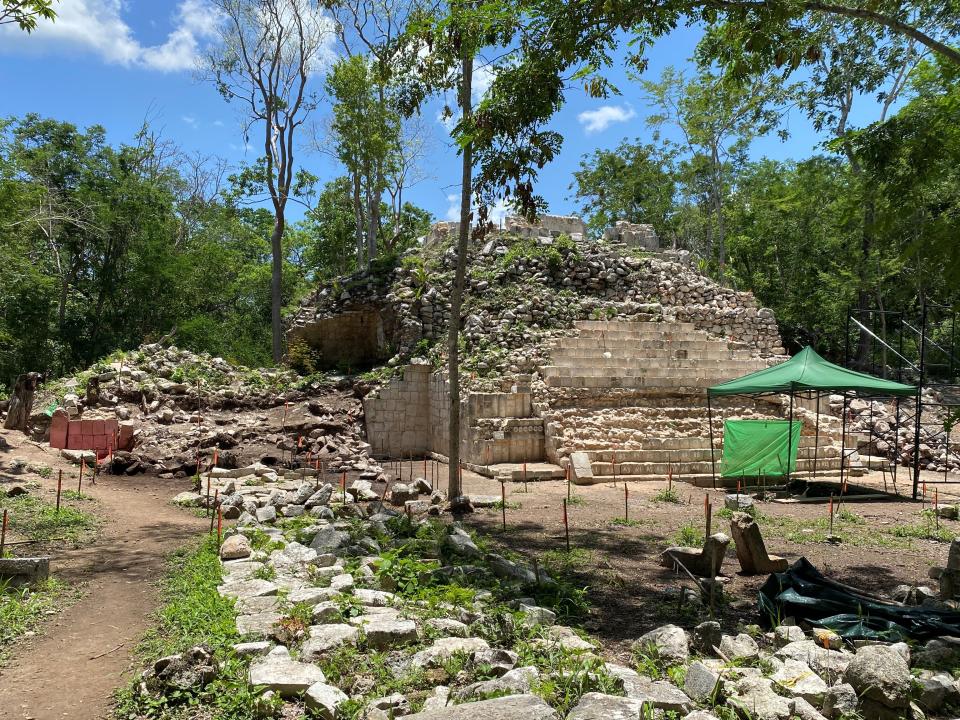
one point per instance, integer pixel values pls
(629, 399)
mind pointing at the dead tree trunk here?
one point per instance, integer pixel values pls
(21, 402)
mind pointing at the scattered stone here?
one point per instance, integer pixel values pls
(515, 681)
(382, 634)
(499, 661)
(190, 670)
(827, 638)
(324, 638)
(511, 707)
(251, 649)
(449, 626)
(329, 539)
(882, 680)
(796, 678)
(751, 551)
(707, 637)
(668, 643)
(757, 700)
(235, 547)
(445, 648)
(840, 701)
(702, 562)
(742, 647)
(285, 676)
(786, 634)
(324, 700)
(258, 624)
(266, 514)
(597, 706)
(701, 683)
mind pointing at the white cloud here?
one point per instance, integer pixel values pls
(453, 212)
(482, 80)
(604, 116)
(98, 26)
(189, 120)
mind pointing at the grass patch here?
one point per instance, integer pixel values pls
(193, 612)
(24, 609)
(563, 562)
(689, 536)
(74, 495)
(576, 500)
(668, 495)
(34, 519)
(626, 522)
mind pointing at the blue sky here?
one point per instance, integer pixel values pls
(119, 62)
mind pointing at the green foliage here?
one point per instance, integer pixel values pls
(34, 519)
(689, 535)
(24, 608)
(668, 495)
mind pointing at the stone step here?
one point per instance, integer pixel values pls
(641, 342)
(706, 480)
(604, 383)
(687, 443)
(680, 470)
(701, 453)
(663, 367)
(600, 325)
(570, 354)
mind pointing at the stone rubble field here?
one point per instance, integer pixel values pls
(328, 584)
(184, 405)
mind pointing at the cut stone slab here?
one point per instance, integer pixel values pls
(382, 634)
(449, 626)
(460, 542)
(235, 547)
(324, 638)
(565, 638)
(701, 683)
(248, 589)
(662, 695)
(741, 647)
(445, 648)
(515, 682)
(786, 634)
(757, 700)
(597, 706)
(374, 598)
(329, 539)
(828, 664)
(277, 671)
(311, 595)
(250, 649)
(751, 552)
(880, 675)
(669, 642)
(797, 679)
(511, 707)
(258, 624)
(266, 514)
(702, 562)
(324, 700)
(325, 613)
(24, 571)
(581, 469)
(840, 701)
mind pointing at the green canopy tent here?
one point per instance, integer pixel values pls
(806, 372)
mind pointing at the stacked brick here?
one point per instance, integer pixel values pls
(102, 435)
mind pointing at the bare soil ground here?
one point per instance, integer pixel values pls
(71, 668)
(632, 593)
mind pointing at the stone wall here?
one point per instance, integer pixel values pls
(357, 337)
(412, 415)
(633, 235)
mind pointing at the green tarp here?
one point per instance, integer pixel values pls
(758, 448)
(808, 371)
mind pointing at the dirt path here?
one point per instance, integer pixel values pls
(72, 667)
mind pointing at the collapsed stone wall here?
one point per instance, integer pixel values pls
(521, 291)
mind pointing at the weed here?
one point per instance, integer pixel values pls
(74, 495)
(35, 519)
(668, 495)
(576, 500)
(563, 562)
(22, 609)
(626, 522)
(689, 536)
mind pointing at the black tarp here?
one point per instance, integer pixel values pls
(803, 593)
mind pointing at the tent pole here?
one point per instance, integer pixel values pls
(790, 436)
(843, 439)
(713, 465)
(816, 438)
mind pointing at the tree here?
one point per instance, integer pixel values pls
(717, 122)
(26, 13)
(267, 53)
(634, 182)
(367, 131)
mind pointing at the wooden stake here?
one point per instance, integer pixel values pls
(936, 507)
(831, 514)
(707, 515)
(219, 525)
(615, 468)
(83, 464)
(525, 476)
(343, 486)
(503, 504)
(3, 532)
(216, 505)
(568, 482)
(209, 506)
(59, 486)
(626, 502)
(566, 524)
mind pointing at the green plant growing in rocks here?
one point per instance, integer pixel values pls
(22, 609)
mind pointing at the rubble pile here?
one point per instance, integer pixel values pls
(889, 439)
(321, 600)
(186, 406)
(522, 291)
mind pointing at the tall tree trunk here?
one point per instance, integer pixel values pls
(372, 201)
(276, 285)
(358, 224)
(456, 296)
(21, 402)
